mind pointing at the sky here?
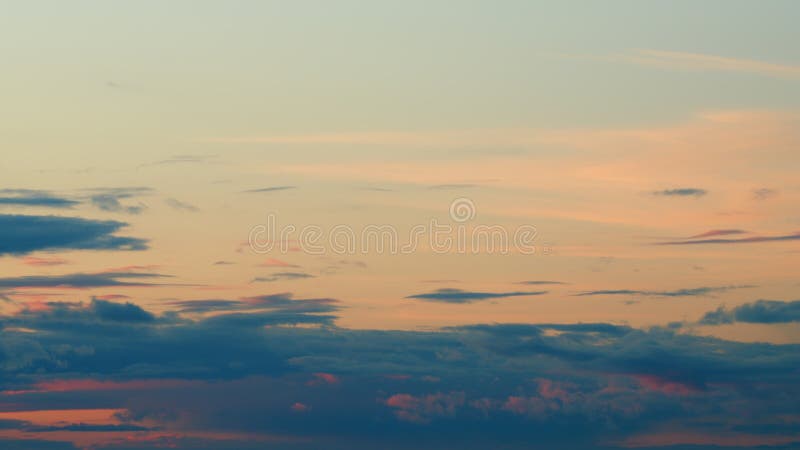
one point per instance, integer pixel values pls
(427, 225)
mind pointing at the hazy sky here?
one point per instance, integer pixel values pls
(152, 151)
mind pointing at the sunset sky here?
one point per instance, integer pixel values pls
(399, 225)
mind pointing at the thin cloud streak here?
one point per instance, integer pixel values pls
(448, 295)
(269, 189)
(706, 62)
(749, 240)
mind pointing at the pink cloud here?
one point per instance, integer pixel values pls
(422, 409)
(300, 407)
(273, 262)
(660, 384)
(323, 378)
(43, 262)
(99, 385)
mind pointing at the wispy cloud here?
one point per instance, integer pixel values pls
(279, 276)
(269, 189)
(108, 199)
(43, 261)
(448, 295)
(764, 193)
(445, 187)
(181, 159)
(712, 233)
(690, 292)
(682, 192)
(540, 282)
(180, 206)
(274, 262)
(748, 240)
(81, 280)
(705, 62)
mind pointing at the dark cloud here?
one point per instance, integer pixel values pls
(270, 189)
(681, 192)
(34, 198)
(283, 302)
(447, 295)
(25, 234)
(540, 282)
(279, 276)
(120, 312)
(747, 240)
(81, 280)
(242, 370)
(761, 311)
(237, 372)
(180, 206)
(689, 292)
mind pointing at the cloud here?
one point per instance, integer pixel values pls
(108, 199)
(447, 295)
(691, 292)
(747, 240)
(712, 233)
(180, 206)
(181, 159)
(283, 302)
(273, 262)
(43, 261)
(80, 280)
(24, 234)
(34, 198)
(446, 187)
(240, 371)
(269, 189)
(120, 312)
(422, 409)
(706, 62)
(283, 276)
(761, 311)
(540, 282)
(681, 192)
(112, 204)
(764, 193)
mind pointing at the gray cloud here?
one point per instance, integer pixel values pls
(447, 295)
(712, 233)
(761, 311)
(283, 276)
(269, 189)
(24, 234)
(81, 280)
(109, 199)
(180, 206)
(690, 292)
(34, 198)
(747, 240)
(681, 192)
(764, 193)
